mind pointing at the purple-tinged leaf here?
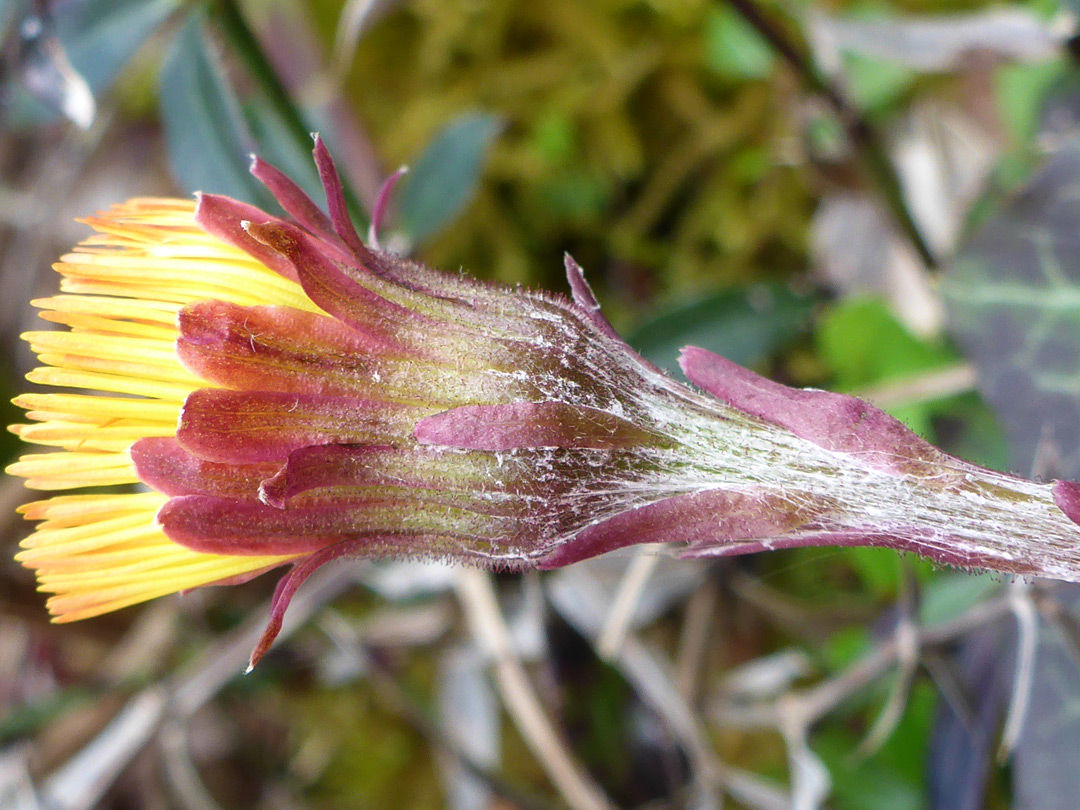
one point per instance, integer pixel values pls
(572, 480)
(223, 217)
(586, 299)
(1067, 498)
(532, 424)
(835, 422)
(963, 740)
(1045, 776)
(248, 427)
(431, 471)
(276, 348)
(390, 526)
(167, 467)
(328, 466)
(282, 349)
(294, 200)
(339, 292)
(1013, 297)
(715, 517)
(287, 587)
(335, 199)
(228, 526)
(382, 205)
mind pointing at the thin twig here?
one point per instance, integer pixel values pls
(80, 782)
(621, 615)
(907, 646)
(794, 713)
(820, 699)
(1027, 634)
(829, 694)
(862, 133)
(931, 385)
(194, 686)
(410, 710)
(942, 673)
(180, 771)
(577, 598)
(354, 16)
(810, 779)
(490, 632)
(808, 621)
(694, 638)
(906, 636)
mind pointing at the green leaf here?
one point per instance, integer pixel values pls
(574, 195)
(953, 592)
(1020, 91)
(878, 568)
(863, 344)
(877, 84)
(555, 138)
(734, 49)
(442, 180)
(1013, 296)
(844, 647)
(889, 780)
(747, 325)
(102, 35)
(209, 144)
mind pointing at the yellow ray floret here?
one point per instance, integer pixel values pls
(99, 553)
(122, 290)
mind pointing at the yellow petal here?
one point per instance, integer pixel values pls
(121, 290)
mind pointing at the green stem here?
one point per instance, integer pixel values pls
(230, 21)
(862, 133)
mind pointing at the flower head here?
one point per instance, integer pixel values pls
(288, 395)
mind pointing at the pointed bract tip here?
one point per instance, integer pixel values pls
(266, 640)
(382, 205)
(584, 297)
(274, 234)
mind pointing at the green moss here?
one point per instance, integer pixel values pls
(359, 752)
(622, 142)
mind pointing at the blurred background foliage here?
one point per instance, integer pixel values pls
(875, 198)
